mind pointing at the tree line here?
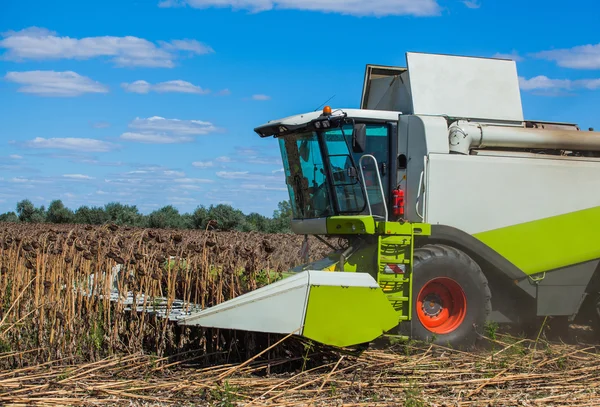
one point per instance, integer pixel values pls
(222, 217)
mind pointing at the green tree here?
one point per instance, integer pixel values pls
(27, 212)
(124, 214)
(9, 217)
(58, 213)
(282, 218)
(166, 217)
(258, 222)
(187, 221)
(90, 216)
(284, 210)
(227, 217)
(200, 217)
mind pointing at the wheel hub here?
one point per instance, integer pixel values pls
(441, 305)
(432, 305)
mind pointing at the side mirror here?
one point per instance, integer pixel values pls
(359, 138)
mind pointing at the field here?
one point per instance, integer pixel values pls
(63, 343)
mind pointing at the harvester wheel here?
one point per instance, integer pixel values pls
(451, 297)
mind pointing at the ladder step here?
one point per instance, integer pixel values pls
(397, 299)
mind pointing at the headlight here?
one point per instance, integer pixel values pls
(326, 124)
(318, 125)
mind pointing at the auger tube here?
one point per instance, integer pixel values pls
(464, 136)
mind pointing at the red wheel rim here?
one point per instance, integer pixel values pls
(441, 305)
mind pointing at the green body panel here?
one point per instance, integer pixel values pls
(406, 229)
(389, 243)
(359, 260)
(350, 225)
(549, 243)
(354, 315)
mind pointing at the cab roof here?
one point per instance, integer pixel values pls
(301, 120)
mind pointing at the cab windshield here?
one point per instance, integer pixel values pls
(307, 168)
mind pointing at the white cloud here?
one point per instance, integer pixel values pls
(348, 7)
(264, 160)
(52, 83)
(591, 84)
(193, 181)
(246, 175)
(224, 92)
(232, 174)
(514, 56)
(262, 187)
(472, 4)
(579, 57)
(171, 3)
(78, 176)
(544, 83)
(261, 97)
(20, 180)
(41, 44)
(150, 138)
(158, 130)
(180, 201)
(16, 157)
(193, 46)
(202, 164)
(256, 156)
(223, 159)
(68, 143)
(137, 87)
(188, 187)
(172, 173)
(175, 86)
(173, 126)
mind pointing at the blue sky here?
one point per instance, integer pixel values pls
(153, 102)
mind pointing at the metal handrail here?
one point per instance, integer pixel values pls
(362, 174)
(420, 192)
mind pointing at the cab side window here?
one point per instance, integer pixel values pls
(377, 146)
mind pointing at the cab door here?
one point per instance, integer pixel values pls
(377, 145)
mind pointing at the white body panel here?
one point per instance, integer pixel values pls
(348, 279)
(279, 307)
(456, 86)
(477, 194)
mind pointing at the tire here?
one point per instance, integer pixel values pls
(451, 297)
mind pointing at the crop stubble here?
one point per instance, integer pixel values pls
(46, 309)
(59, 346)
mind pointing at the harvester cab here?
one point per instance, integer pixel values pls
(410, 181)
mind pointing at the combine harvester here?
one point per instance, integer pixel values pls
(457, 211)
